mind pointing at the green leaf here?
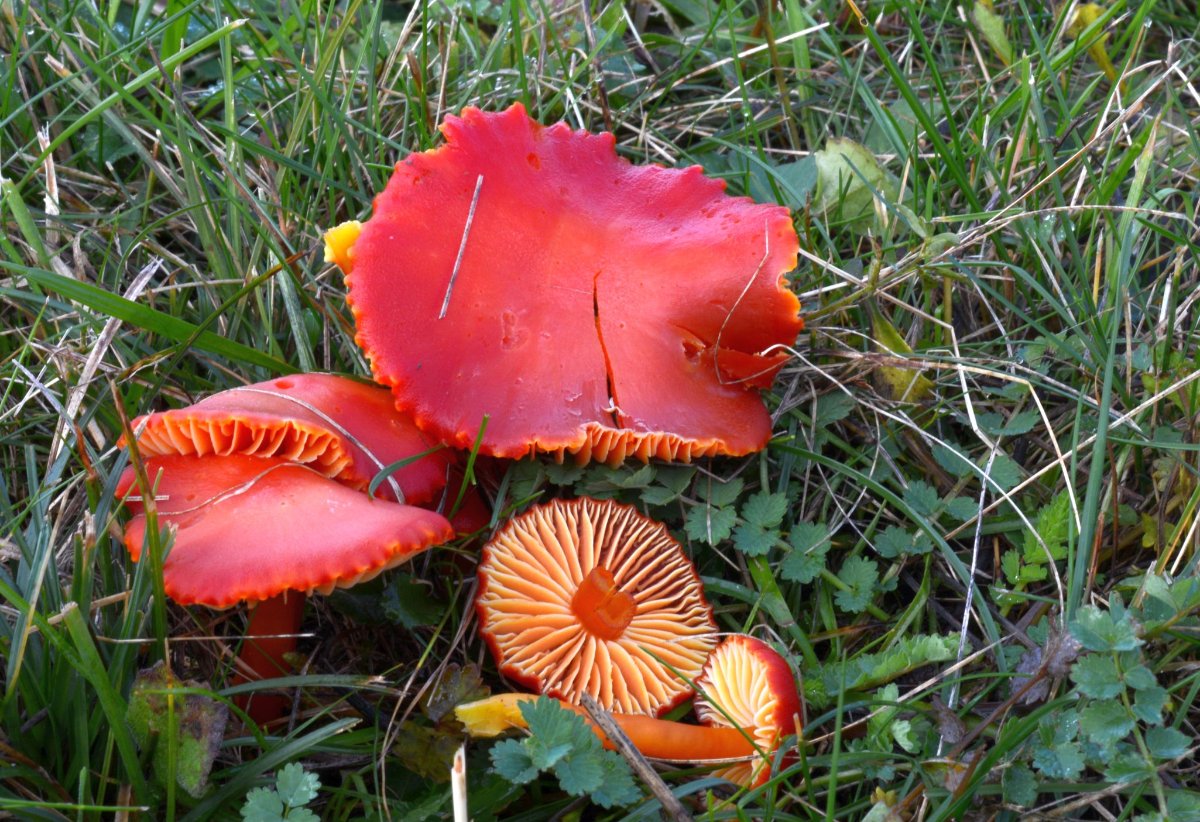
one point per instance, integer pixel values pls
(1148, 705)
(581, 773)
(962, 508)
(409, 603)
(198, 727)
(861, 576)
(846, 175)
(670, 481)
(511, 759)
(617, 787)
(262, 805)
(1005, 473)
(1140, 678)
(895, 542)
(1167, 743)
(1020, 786)
(1010, 563)
(765, 510)
(833, 407)
(1053, 526)
(296, 786)
(563, 474)
(922, 497)
(457, 684)
(1061, 761)
(1098, 630)
(1105, 721)
(753, 541)
(953, 460)
(991, 27)
(1097, 676)
(721, 494)
(804, 563)
(705, 523)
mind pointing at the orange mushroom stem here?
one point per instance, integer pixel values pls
(749, 702)
(655, 738)
(270, 637)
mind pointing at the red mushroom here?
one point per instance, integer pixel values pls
(744, 680)
(268, 531)
(580, 303)
(589, 596)
(343, 428)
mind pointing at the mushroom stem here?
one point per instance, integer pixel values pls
(655, 738)
(270, 634)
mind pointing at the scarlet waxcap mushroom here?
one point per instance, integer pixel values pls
(589, 596)
(747, 682)
(340, 427)
(581, 303)
(249, 528)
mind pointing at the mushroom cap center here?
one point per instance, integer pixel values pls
(603, 608)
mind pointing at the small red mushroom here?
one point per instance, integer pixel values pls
(744, 681)
(345, 429)
(268, 531)
(580, 303)
(589, 596)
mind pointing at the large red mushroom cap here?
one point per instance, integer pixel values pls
(582, 304)
(747, 685)
(340, 427)
(249, 528)
(589, 596)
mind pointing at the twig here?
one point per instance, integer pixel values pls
(462, 247)
(672, 807)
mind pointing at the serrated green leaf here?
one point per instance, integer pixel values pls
(1148, 705)
(720, 494)
(566, 473)
(860, 576)
(1167, 743)
(1140, 678)
(1052, 524)
(1098, 630)
(1061, 761)
(617, 787)
(922, 498)
(409, 603)
(1020, 786)
(1005, 473)
(753, 541)
(295, 785)
(511, 760)
(1097, 676)
(552, 726)
(262, 805)
(1033, 573)
(894, 541)
(1105, 721)
(962, 508)
(804, 563)
(704, 523)
(833, 407)
(765, 510)
(580, 773)
(1010, 563)
(953, 460)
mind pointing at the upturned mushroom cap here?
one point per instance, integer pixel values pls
(249, 528)
(747, 681)
(339, 427)
(591, 307)
(587, 596)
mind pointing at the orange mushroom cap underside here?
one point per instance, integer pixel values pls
(747, 682)
(342, 428)
(597, 308)
(248, 528)
(587, 596)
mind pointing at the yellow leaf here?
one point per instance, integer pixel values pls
(903, 383)
(1085, 15)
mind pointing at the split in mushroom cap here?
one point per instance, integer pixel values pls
(340, 427)
(747, 682)
(581, 596)
(249, 528)
(599, 308)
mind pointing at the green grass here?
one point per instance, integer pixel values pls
(168, 170)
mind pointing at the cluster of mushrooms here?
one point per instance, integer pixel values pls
(519, 290)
